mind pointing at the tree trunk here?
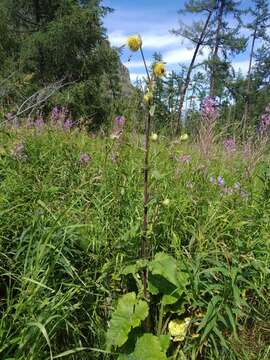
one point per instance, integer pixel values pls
(37, 11)
(247, 101)
(184, 87)
(215, 58)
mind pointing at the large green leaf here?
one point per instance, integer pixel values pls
(150, 347)
(129, 313)
(167, 278)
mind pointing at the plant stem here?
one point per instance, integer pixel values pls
(144, 245)
(159, 330)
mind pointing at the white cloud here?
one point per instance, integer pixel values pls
(150, 41)
(182, 55)
(136, 64)
(135, 76)
(241, 65)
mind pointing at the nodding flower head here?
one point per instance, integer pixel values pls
(166, 202)
(184, 137)
(154, 137)
(134, 42)
(159, 69)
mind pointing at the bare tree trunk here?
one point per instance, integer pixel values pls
(184, 87)
(220, 6)
(37, 11)
(247, 102)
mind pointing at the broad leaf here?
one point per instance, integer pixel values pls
(129, 313)
(150, 347)
(166, 277)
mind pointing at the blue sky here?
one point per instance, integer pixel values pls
(153, 19)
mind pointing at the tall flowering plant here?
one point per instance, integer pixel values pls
(135, 44)
(209, 116)
(254, 149)
(151, 275)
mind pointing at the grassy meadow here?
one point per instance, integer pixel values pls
(71, 207)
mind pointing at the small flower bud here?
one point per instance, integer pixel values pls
(154, 137)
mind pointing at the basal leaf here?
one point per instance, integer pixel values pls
(150, 347)
(128, 314)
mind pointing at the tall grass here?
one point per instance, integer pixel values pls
(68, 228)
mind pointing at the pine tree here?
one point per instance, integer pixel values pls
(227, 42)
(196, 33)
(258, 27)
(65, 40)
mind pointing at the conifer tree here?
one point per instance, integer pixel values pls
(258, 27)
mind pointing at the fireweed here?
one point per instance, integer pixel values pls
(119, 123)
(209, 116)
(229, 145)
(255, 148)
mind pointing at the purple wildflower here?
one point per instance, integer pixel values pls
(39, 123)
(84, 158)
(56, 113)
(68, 124)
(209, 109)
(230, 145)
(118, 130)
(212, 180)
(220, 181)
(120, 121)
(185, 159)
(265, 122)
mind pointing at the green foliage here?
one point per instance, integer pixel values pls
(150, 347)
(64, 41)
(128, 315)
(69, 237)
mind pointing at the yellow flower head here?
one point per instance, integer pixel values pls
(159, 69)
(154, 137)
(178, 329)
(134, 42)
(148, 96)
(166, 202)
(184, 137)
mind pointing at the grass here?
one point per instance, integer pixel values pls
(67, 230)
